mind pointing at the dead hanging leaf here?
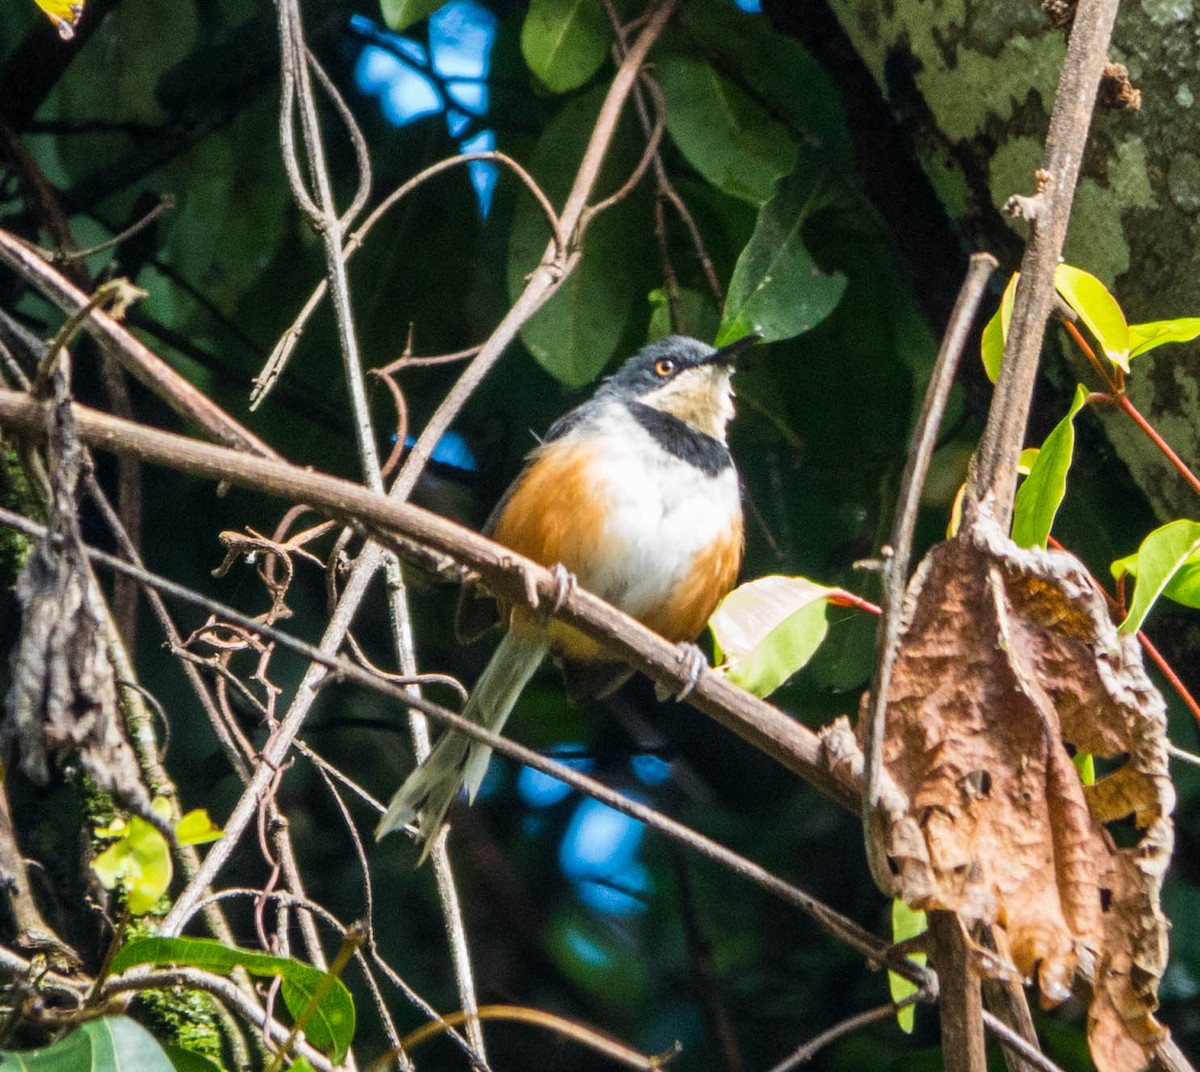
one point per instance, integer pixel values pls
(63, 703)
(1008, 661)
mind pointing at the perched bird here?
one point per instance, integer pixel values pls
(634, 493)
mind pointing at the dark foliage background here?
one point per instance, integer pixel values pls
(181, 97)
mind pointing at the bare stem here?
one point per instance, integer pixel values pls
(898, 554)
(994, 472)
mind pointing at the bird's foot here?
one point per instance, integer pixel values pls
(565, 584)
(694, 662)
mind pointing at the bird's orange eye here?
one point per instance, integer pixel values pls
(664, 366)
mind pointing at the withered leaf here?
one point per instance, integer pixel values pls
(63, 702)
(1009, 661)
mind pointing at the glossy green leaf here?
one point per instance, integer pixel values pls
(1098, 309)
(1168, 562)
(1143, 337)
(183, 1060)
(401, 14)
(565, 41)
(777, 290)
(577, 332)
(724, 133)
(331, 1027)
(906, 923)
(774, 68)
(768, 629)
(110, 1044)
(1184, 585)
(1041, 493)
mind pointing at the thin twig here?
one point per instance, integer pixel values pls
(134, 356)
(851, 1024)
(272, 370)
(1008, 1038)
(323, 216)
(844, 929)
(897, 555)
(166, 202)
(224, 989)
(505, 573)
(1114, 382)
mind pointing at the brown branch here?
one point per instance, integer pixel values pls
(960, 1002)
(503, 572)
(898, 553)
(994, 468)
(134, 356)
(840, 927)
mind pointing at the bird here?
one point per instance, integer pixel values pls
(633, 495)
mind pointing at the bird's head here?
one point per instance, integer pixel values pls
(683, 377)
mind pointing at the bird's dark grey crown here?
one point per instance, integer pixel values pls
(637, 375)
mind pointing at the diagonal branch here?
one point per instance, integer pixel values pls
(509, 575)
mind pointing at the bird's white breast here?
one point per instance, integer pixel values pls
(662, 511)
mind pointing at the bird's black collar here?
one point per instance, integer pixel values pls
(681, 440)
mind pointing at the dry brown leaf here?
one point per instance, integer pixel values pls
(63, 705)
(1008, 661)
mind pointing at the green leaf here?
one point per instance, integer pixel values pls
(183, 1060)
(1085, 763)
(1007, 300)
(724, 133)
(697, 310)
(577, 332)
(331, 1027)
(777, 290)
(139, 861)
(906, 923)
(991, 347)
(1098, 309)
(110, 1044)
(1169, 554)
(776, 70)
(1041, 493)
(767, 629)
(565, 41)
(1143, 337)
(401, 14)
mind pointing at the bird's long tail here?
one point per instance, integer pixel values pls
(456, 761)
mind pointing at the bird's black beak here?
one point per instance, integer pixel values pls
(728, 354)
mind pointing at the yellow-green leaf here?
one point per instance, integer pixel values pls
(991, 345)
(139, 862)
(1041, 494)
(196, 828)
(1098, 309)
(1168, 562)
(767, 629)
(65, 14)
(1085, 763)
(1143, 337)
(906, 923)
